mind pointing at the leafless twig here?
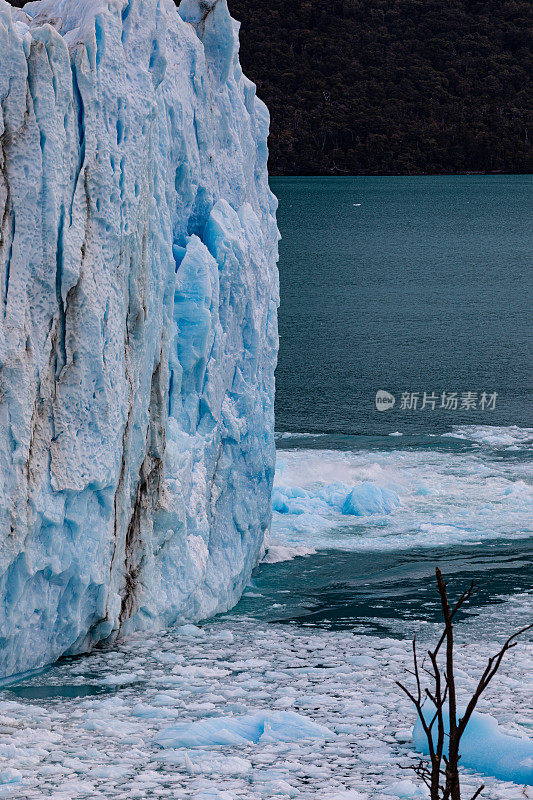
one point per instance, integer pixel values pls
(444, 762)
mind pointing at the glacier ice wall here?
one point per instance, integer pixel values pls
(138, 321)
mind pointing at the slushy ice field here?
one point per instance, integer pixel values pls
(310, 656)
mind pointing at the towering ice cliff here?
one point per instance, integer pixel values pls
(138, 338)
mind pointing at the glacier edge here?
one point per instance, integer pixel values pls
(138, 321)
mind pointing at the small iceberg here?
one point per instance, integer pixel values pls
(487, 749)
(263, 727)
(368, 499)
(360, 501)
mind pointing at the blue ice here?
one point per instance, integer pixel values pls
(486, 748)
(263, 727)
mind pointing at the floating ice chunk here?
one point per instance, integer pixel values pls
(112, 771)
(120, 678)
(486, 748)
(369, 499)
(280, 787)
(277, 553)
(259, 728)
(291, 500)
(205, 762)
(79, 788)
(314, 701)
(407, 789)
(362, 661)
(363, 500)
(212, 793)
(191, 631)
(403, 735)
(9, 776)
(151, 712)
(284, 702)
(224, 636)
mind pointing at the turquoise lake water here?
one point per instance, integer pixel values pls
(408, 285)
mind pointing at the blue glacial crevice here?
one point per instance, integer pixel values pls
(138, 334)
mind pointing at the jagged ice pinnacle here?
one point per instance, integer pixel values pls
(138, 321)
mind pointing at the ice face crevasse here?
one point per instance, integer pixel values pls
(138, 321)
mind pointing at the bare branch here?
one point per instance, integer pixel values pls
(491, 669)
(408, 693)
(466, 595)
(443, 693)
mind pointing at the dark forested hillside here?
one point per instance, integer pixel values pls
(391, 86)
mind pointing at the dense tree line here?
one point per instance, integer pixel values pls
(392, 86)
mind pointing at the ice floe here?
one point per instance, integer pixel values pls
(264, 727)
